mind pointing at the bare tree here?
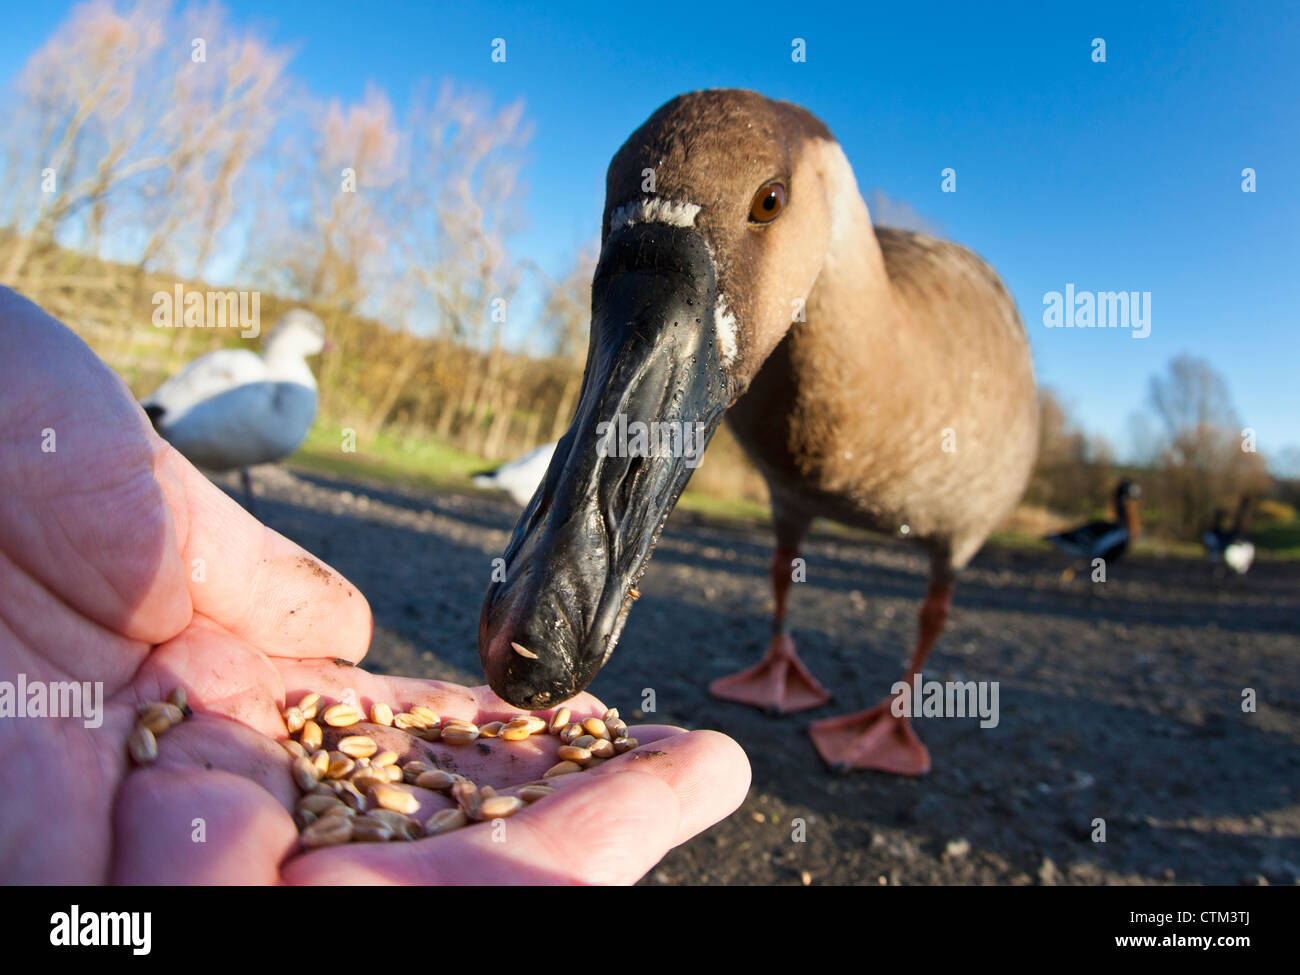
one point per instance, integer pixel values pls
(409, 224)
(565, 321)
(466, 165)
(1075, 471)
(147, 145)
(1205, 459)
(133, 128)
(358, 154)
(566, 311)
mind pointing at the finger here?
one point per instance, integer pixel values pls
(254, 581)
(338, 681)
(181, 826)
(610, 836)
(708, 771)
(607, 826)
(675, 756)
(80, 512)
(221, 674)
(213, 807)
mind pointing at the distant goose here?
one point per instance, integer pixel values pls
(1231, 547)
(519, 478)
(1107, 540)
(233, 408)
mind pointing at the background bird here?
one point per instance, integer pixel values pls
(518, 478)
(1107, 540)
(1231, 547)
(233, 408)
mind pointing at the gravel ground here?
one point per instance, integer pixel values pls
(1119, 702)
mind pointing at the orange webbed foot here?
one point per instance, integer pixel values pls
(874, 739)
(779, 682)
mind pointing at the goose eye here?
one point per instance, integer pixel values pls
(768, 203)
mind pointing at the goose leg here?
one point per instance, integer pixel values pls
(878, 739)
(779, 682)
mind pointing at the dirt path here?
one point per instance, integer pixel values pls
(1123, 705)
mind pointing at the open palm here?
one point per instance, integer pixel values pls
(120, 564)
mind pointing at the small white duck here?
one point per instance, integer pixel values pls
(1231, 546)
(233, 408)
(519, 478)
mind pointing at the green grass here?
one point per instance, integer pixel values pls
(424, 463)
(1278, 541)
(1169, 548)
(725, 509)
(1018, 540)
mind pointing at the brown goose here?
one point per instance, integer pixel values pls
(877, 377)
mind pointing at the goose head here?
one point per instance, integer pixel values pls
(1216, 525)
(717, 223)
(298, 333)
(1125, 492)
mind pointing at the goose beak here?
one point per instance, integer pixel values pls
(579, 548)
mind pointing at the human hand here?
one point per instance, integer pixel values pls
(122, 567)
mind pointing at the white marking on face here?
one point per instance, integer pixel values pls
(724, 323)
(653, 210)
(679, 214)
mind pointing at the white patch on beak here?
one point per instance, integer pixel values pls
(654, 210)
(658, 210)
(724, 323)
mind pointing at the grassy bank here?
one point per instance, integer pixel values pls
(423, 463)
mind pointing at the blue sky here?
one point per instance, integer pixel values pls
(1117, 176)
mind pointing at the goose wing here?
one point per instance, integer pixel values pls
(206, 377)
(1083, 541)
(254, 423)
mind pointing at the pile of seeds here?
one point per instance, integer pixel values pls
(357, 793)
(155, 718)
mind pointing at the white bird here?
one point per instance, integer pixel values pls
(233, 408)
(1231, 546)
(1238, 556)
(519, 478)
